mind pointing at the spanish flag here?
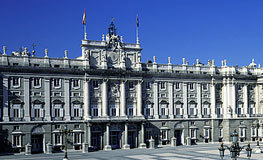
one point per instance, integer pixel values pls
(84, 18)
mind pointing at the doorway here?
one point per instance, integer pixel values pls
(37, 143)
(115, 139)
(132, 139)
(178, 136)
(96, 140)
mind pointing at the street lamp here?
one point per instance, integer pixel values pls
(234, 149)
(65, 133)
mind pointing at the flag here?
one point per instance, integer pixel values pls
(84, 18)
(137, 21)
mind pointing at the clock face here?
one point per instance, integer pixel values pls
(114, 57)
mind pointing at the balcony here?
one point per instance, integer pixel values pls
(163, 116)
(206, 116)
(76, 118)
(178, 116)
(37, 119)
(192, 116)
(16, 119)
(57, 118)
(241, 115)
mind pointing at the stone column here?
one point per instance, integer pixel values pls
(257, 99)
(107, 146)
(225, 102)
(139, 98)
(86, 90)
(104, 92)
(123, 98)
(185, 100)
(142, 144)
(199, 103)
(171, 103)
(27, 99)
(87, 135)
(233, 100)
(126, 145)
(5, 99)
(67, 99)
(47, 100)
(213, 98)
(245, 99)
(155, 100)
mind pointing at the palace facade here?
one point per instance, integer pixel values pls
(109, 99)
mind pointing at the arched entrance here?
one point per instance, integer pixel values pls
(37, 139)
(178, 133)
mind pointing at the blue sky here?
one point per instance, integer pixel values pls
(204, 29)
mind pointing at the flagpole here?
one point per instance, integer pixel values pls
(137, 31)
(85, 32)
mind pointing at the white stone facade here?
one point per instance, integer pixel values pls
(110, 99)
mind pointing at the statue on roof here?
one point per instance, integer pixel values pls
(112, 39)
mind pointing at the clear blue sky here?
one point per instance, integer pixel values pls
(204, 29)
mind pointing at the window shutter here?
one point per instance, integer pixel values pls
(32, 112)
(151, 111)
(72, 111)
(53, 112)
(117, 111)
(80, 112)
(61, 114)
(195, 111)
(41, 112)
(242, 110)
(208, 111)
(166, 111)
(21, 113)
(11, 112)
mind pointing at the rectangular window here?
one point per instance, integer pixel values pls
(177, 86)
(148, 85)
(56, 82)
(94, 110)
(76, 83)
(36, 82)
(113, 110)
(15, 81)
(192, 133)
(206, 134)
(57, 126)
(191, 86)
(17, 140)
(130, 110)
(131, 85)
(57, 111)
(76, 112)
(205, 87)
(58, 139)
(95, 84)
(242, 132)
(254, 132)
(220, 132)
(162, 85)
(164, 134)
(77, 138)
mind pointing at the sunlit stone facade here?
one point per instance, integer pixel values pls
(110, 99)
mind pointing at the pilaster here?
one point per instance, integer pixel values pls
(185, 100)
(86, 90)
(171, 104)
(123, 98)
(104, 97)
(107, 146)
(139, 98)
(27, 99)
(67, 99)
(245, 100)
(213, 99)
(126, 145)
(47, 99)
(199, 103)
(5, 99)
(155, 99)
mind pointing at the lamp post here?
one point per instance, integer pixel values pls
(65, 132)
(235, 148)
(257, 134)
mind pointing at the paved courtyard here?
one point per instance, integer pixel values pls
(196, 152)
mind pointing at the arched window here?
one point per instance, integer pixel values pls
(178, 108)
(16, 110)
(206, 109)
(76, 110)
(192, 110)
(57, 110)
(148, 110)
(37, 111)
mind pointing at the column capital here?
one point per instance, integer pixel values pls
(108, 124)
(140, 81)
(105, 80)
(87, 79)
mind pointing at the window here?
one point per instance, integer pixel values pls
(148, 110)
(131, 85)
(57, 139)
(16, 128)
(193, 133)
(16, 81)
(164, 134)
(239, 109)
(218, 109)
(239, 86)
(164, 109)
(177, 86)
(112, 110)
(17, 140)
(95, 84)
(77, 138)
(178, 109)
(77, 126)
(192, 110)
(57, 111)
(192, 123)
(191, 86)
(75, 83)
(16, 111)
(205, 87)
(206, 133)
(242, 132)
(37, 111)
(130, 109)
(254, 132)
(94, 110)
(252, 109)
(37, 94)
(56, 66)
(206, 109)
(162, 85)
(148, 85)
(76, 110)
(57, 82)
(57, 126)
(37, 82)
